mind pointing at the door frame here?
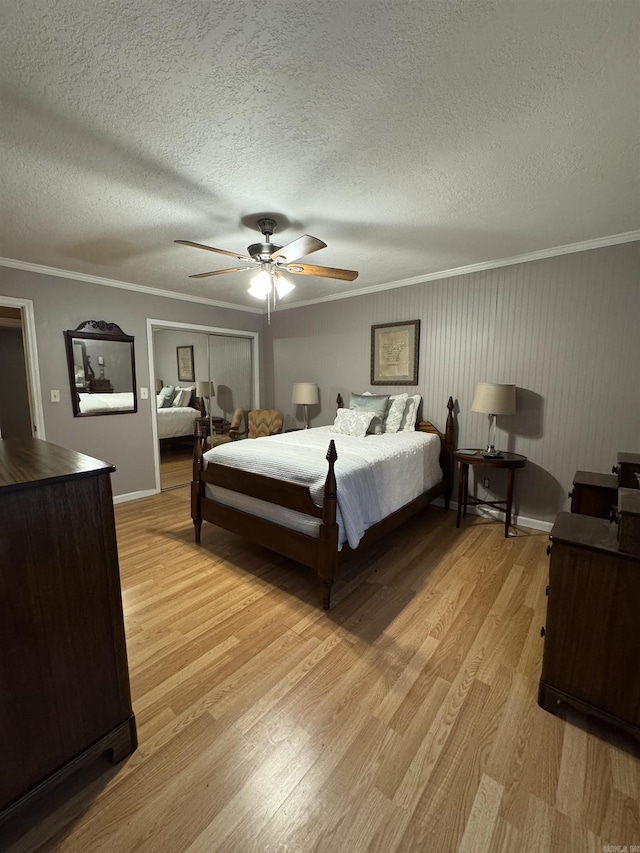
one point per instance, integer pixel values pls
(30, 344)
(172, 325)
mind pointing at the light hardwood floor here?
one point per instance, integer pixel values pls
(176, 466)
(405, 719)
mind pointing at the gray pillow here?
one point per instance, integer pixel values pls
(376, 403)
(166, 395)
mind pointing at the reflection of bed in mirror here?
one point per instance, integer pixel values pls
(101, 369)
(177, 423)
(95, 404)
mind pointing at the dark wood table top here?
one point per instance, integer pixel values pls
(475, 456)
(25, 461)
(593, 478)
(588, 532)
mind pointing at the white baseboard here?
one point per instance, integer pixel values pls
(133, 496)
(489, 512)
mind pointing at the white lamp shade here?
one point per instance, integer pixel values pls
(283, 286)
(205, 389)
(494, 399)
(305, 393)
(260, 285)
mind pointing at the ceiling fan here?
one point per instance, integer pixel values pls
(273, 261)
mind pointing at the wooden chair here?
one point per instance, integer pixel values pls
(263, 422)
(232, 433)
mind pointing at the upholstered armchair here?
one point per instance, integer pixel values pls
(237, 422)
(264, 422)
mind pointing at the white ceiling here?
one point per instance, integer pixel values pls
(412, 137)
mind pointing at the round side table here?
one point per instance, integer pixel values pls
(511, 461)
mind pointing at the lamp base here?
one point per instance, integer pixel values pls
(492, 453)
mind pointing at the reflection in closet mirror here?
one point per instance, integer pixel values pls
(102, 373)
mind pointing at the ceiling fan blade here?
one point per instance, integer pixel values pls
(323, 272)
(212, 249)
(299, 248)
(219, 272)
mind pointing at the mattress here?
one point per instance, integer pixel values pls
(175, 421)
(375, 475)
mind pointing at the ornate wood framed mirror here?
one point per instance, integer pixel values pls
(102, 371)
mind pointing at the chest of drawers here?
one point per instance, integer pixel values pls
(591, 654)
(63, 663)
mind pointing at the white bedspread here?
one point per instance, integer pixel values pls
(97, 403)
(176, 420)
(375, 475)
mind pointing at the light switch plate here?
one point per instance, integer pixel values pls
(144, 393)
(55, 396)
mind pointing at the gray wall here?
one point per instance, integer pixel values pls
(60, 304)
(563, 329)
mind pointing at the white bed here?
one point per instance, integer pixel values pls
(375, 475)
(314, 495)
(176, 421)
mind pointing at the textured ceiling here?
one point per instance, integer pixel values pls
(412, 137)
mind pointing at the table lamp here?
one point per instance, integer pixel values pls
(305, 394)
(494, 399)
(206, 391)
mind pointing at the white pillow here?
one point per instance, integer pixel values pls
(352, 422)
(183, 395)
(397, 405)
(410, 413)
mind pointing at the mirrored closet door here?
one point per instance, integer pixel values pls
(201, 380)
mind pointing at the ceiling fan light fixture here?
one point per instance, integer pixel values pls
(261, 285)
(283, 286)
(269, 285)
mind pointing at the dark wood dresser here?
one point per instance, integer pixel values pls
(594, 494)
(592, 634)
(597, 494)
(64, 681)
(626, 469)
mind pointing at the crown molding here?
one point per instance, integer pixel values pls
(584, 246)
(123, 285)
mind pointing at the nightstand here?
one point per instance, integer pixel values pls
(510, 461)
(219, 425)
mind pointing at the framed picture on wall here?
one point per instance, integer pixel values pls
(186, 372)
(394, 353)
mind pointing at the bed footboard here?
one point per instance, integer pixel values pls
(321, 553)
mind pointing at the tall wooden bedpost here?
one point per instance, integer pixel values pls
(449, 454)
(197, 488)
(328, 550)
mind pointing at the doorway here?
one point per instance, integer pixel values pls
(225, 358)
(21, 413)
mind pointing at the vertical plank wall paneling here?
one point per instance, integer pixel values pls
(564, 329)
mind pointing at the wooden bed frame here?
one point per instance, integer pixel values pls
(321, 554)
